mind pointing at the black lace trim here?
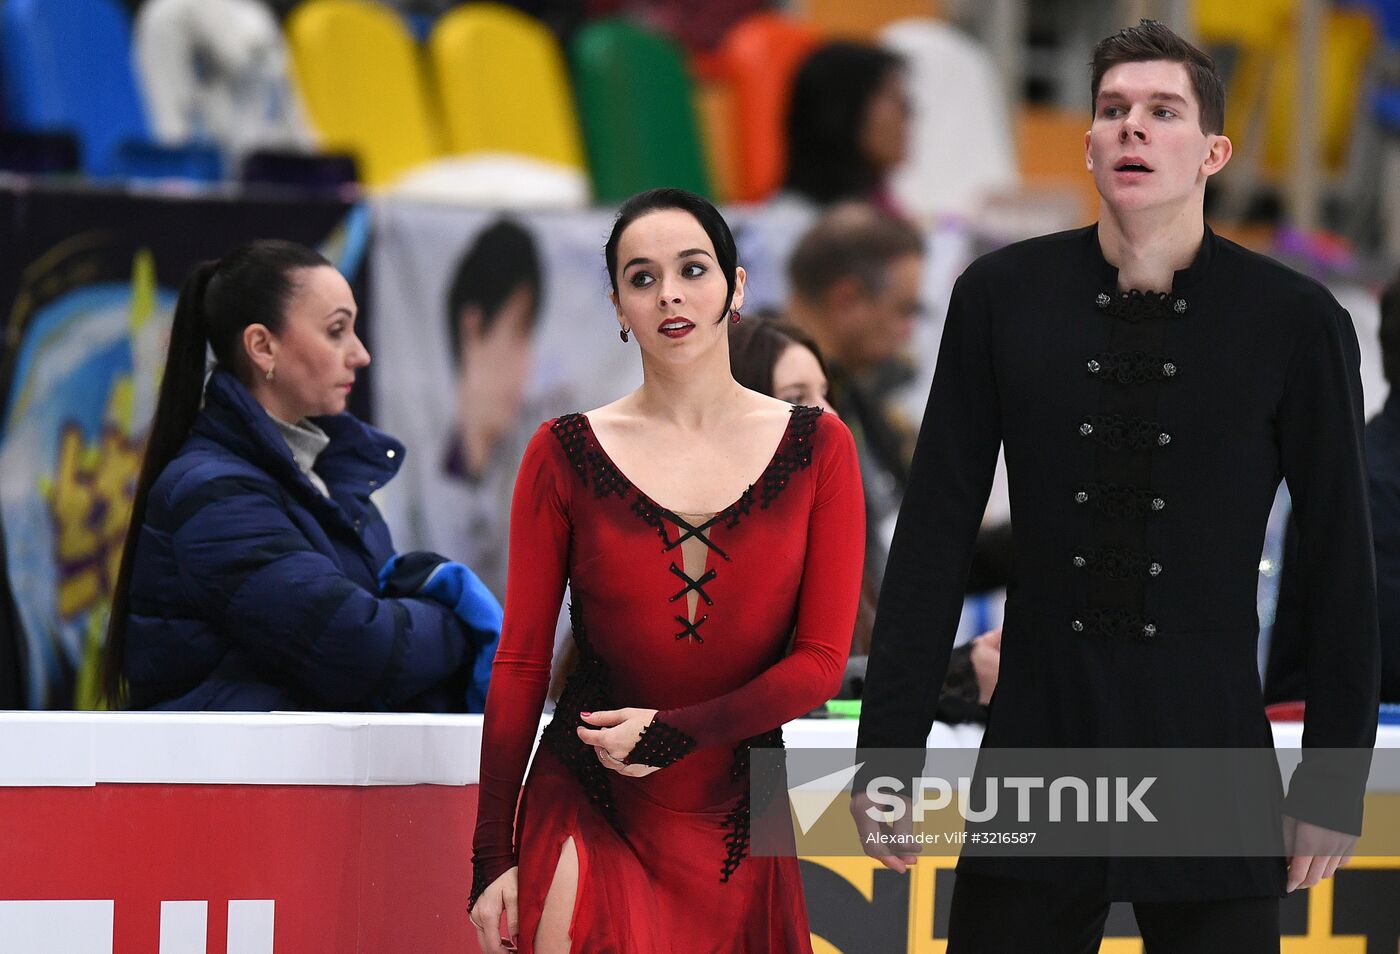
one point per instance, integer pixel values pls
(738, 823)
(1131, 367)
(588, 689)
(592, 465)
(1134, 306)
(793, 456)
(1124, 433)
(1117, 563)
(481, 880)
(1119, 624)
(738, 510)
(597, 471)
(660, 745)
(651, 516)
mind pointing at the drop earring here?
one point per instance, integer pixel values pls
(269, 373)
(734, 315)
(623, 335)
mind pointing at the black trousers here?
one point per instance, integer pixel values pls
(1009, 916)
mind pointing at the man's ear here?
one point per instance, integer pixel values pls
(1088, 155)
(1220, 151)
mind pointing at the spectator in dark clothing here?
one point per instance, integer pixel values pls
(1285, 677)
(847, 125)
(855, 280)
(257, 573)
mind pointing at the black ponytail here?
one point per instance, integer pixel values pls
(250, 285)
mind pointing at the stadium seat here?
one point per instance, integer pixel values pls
(503, 85)
(961, 147)
(67, 67)
(215, 71)
(759, 58)
(1345, 49)
(636, 109)
(361, 78)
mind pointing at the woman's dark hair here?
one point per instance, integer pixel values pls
(756, 344)
(250, 285)
(656, 200)
(830, 96)
(501, 260)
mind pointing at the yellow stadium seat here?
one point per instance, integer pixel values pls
(1347, 40)
(503, 85)
(361, 77)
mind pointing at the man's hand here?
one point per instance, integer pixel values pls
(890, 843)
(1313, 852)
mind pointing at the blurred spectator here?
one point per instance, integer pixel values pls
(257, 574)
(778, 358)
(1286, 674)
(848, 125)
(774, 357)
(854, 281)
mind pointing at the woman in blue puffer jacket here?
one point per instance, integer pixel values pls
(257, 573)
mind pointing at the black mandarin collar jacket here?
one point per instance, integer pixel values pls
(1145, 438)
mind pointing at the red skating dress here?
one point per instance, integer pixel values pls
(688, 614)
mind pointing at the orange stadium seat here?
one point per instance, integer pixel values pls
(759, 58)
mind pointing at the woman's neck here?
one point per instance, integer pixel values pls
(694, 396)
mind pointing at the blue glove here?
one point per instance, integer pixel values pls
(430, 576)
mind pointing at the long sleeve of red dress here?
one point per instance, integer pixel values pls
(766, 641)
(535, 579)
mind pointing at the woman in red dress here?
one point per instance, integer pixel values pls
(711, 538)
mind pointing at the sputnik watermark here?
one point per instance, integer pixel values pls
(935, 794)
(1200, 802)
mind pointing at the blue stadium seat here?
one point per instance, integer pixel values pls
(66, 65)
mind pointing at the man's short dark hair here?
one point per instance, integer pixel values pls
(501, 260)
(851, 240)
(1151, 40)
(1390, 331)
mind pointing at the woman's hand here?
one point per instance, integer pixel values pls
(986, 663)
(614, 742)
(500, 895)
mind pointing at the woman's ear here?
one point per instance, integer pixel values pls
(617, 308)
(740, 277)
(260, 347)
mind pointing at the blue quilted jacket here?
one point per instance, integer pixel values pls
(251, 591)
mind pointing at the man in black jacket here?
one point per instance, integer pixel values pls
(1286, 678)
(1151, 383)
